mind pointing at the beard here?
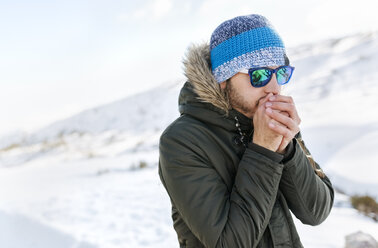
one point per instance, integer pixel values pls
(239, 102)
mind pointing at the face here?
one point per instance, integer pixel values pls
(244, 97)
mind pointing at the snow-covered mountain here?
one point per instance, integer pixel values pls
(335, 84)
(79, 175)
(124, 126)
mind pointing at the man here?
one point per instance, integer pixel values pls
(234, 163)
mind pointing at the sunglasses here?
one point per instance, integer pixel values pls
(261, 76)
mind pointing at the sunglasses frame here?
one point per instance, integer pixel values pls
(273, 71)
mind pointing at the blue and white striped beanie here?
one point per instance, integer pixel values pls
(244, 42)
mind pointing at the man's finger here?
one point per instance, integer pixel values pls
(284, 107)
(283, 119)
(284, 113)
(287, 129)
(265, 99)
(280, 129)
(281, 98)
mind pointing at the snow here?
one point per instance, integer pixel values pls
(360, 152)
(332, 232)
(104, 202)
(34, 234)
(81, 203)
(78, 182)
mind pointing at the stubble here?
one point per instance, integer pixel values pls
(238, 101)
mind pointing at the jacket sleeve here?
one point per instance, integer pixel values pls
(217, 216)
(307, 190)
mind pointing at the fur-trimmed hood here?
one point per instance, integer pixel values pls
(197, 68)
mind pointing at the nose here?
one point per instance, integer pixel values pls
(273, 86)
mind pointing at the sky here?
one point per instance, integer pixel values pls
(58, 58)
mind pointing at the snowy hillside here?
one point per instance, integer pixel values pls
(91, 180)
(123, 127)
(335, 88)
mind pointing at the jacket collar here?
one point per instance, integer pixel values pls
(197, 68)
(202, 96)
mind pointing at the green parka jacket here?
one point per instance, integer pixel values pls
(225, 194)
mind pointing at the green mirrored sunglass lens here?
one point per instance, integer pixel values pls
(283, 75)
(260, 76)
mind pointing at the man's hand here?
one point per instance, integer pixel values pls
(264, 135)
(284, 118)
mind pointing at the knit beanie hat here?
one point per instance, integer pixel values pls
(244, 42)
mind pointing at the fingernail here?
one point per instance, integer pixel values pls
(272, 98)
(271, 124)
(268, 104)
(269, 110)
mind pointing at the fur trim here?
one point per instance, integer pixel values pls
(197, 68)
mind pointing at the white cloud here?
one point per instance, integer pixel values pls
(155, 10)
(161, 8)
(334, 18)
(225, 8)
(187, 7)
(139, 14)
(211, 6)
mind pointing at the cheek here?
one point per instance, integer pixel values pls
(255, 94)
(252, 99)
(241, 85)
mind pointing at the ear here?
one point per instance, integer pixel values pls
(223, 85)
